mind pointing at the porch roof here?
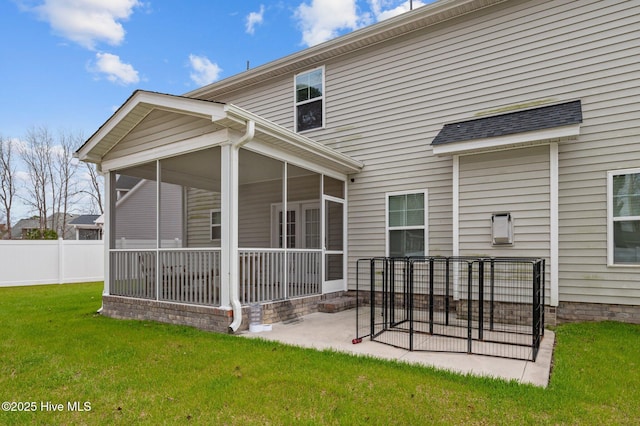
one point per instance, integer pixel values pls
(517, 128)
(228, 116)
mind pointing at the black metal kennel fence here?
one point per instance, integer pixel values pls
(487, 306)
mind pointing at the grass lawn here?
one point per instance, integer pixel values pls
(55, 349)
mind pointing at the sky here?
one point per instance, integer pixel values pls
(68, 65)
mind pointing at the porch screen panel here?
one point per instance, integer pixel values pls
(132, 256)
(190, 200)
(261, 259)
(135, 212)
(304, 254)
(190, 228)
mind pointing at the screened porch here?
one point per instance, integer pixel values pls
(168, 223)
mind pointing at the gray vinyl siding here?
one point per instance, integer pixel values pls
(136, 214)
(160, 128)
(385, 104)
(514, 181)
(199, 205)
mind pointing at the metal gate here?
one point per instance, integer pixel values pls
(487, 306)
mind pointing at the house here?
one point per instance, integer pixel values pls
(464, 127)
(87, 227)
(55, 221)
(136, 222)
(24, 226)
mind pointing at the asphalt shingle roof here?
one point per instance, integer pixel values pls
(545, 117)
(85, 219)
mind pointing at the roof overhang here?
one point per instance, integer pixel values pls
(133, 111)
(536, 126)
(234, 119)
(519, 140)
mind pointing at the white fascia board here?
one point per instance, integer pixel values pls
(182, 105)
(284, 156)
(84, 152)
(300, 141)
(151, 101)
(508, 141)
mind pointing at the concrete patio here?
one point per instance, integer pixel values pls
(336, 331)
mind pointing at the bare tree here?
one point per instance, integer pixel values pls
(37, 156)
(7, 180)
(64, 184)
(94, 188)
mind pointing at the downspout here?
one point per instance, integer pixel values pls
(236, 306)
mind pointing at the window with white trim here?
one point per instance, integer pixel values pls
(309, 100)
(406, 224)
(303, 225)
(215, 224)
(624, 217)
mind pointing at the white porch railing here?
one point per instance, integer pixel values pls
(133, 273)
(186, 275)
(276, 274)
(193, 275)
(190, 276)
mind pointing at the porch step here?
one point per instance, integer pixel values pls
(336, 304)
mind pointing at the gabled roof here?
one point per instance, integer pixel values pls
(529, 120)
(141, 103)
(133, 111)
(126, 183)
(85, 219)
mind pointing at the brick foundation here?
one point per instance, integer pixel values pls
(576, 311)
(208, 317)
(204, 317)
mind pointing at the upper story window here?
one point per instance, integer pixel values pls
(310, 100)
(624, 217)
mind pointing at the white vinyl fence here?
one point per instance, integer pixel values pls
(50, 262)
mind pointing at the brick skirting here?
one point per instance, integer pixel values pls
(203, 317)
(576, 311)
(218, 320)
(207, 317)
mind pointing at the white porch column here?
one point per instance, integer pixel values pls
(554, 222)
(108, 231)
(229, 223)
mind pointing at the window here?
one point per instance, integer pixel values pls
(216, 228)
(624, 217)
(303, 225)
(312, 227)
(310, 100)
(406, 224)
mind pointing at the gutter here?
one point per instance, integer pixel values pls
(236, 306)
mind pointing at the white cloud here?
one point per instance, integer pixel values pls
(204, 71)
(385, 9)
(322, 20)
(253, 19)
(115, 70)
(87, 22)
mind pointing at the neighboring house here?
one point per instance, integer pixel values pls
(87, 227)
(23, 227)
(55, 221)
(135, 225)
(412, 136)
